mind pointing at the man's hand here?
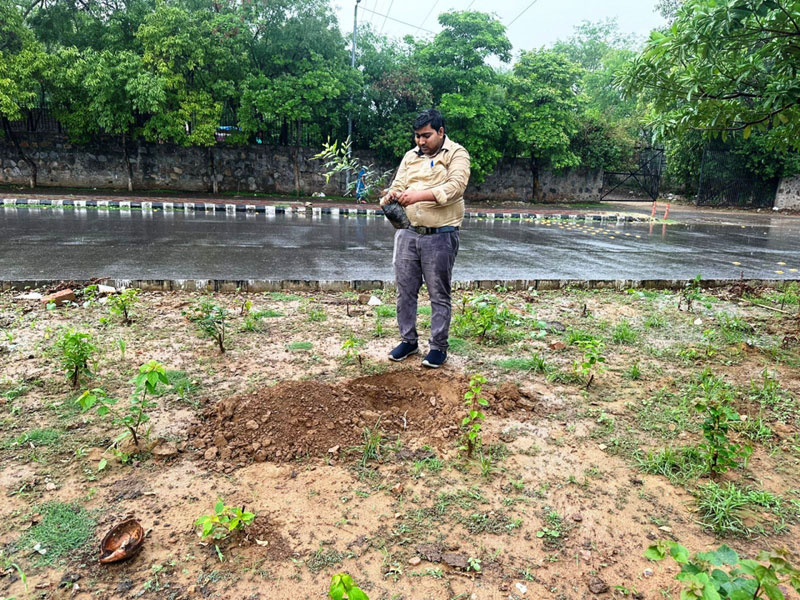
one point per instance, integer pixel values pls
(410, 197)
(389, 196)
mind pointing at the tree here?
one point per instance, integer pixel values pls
(465, 86)
(544, 108)
(22, 62)
(103, 92)
(725, 67)
(197, 59)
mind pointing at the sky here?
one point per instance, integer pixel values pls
(544, 22)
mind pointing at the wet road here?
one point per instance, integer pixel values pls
(80, 244)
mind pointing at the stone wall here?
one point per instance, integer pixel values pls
(788, 197)
(254, 168)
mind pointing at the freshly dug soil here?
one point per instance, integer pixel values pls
(298, 418)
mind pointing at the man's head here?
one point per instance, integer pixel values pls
(429, 131)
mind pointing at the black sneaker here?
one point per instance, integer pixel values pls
(403, 351)
(435, 359)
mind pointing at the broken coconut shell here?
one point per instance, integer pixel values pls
(123, 541)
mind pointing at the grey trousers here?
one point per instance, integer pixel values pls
(430, 257)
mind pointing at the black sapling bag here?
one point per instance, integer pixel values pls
(396, 215)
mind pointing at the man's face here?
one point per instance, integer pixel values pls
(429, 140)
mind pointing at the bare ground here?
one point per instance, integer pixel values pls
(276, 425)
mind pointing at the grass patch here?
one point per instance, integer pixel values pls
(63, 529)
(573, 336)
(37, 437)
(655, 321)
(679, 465)
(385, 311)
(424, 310)
(300, 346)
(532, 364)
(323, 559)
(623, 333)
(731, 510)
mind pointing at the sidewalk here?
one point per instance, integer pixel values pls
(635, 210)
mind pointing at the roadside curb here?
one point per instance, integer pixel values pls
(299, 285)
(314, 211)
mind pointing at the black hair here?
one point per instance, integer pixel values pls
(430, 117)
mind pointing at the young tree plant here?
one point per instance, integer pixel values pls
(722, 575)
(473, 401)
(338, 158)
(150, 375)
(212, 320)
(342, 586)
(121, 304)
(222, 522)
(76, 350)
(593, 362)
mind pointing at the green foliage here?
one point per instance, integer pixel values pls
(76, 350)
(338, 159)
(146, 382)
(722, 575)
(62, 529)
(623, 333)
(342, 586)
(212, 319)
(474, 402)
(372, 445)
(484, 317)
(724, 67)
(350, 347)
(121, 304)
(533, 364)
(679, 465)
(713, 401)
(593, 362)
(222, 522)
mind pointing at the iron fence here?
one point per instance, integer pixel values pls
(725, 182)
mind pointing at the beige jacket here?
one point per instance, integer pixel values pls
(446, 174)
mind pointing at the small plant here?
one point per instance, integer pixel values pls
(350, 347)
(593, 362)
(222, 522)
(342, 586)
(373, 441)
(634, 372)
(212, 320)
(487, 466)
(486, 318)
(150, 376)
(122, 345)
(533, 364)
(473, 401)
(122, 303)
(474, 564)
(317, 315)
(76, 350)
(691, 293)
(714, 402)
(722, 575)
(623, 333)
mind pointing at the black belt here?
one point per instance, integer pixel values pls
(430, 230)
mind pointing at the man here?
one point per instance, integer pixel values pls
(429, 184)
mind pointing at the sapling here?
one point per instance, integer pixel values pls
(76, 351)
(714, 402)
(150, 375)
(122, 303)
(722, 575)
(212, 320)
(222, 522)
(342, 586)
(339, 159)
(473, 401)
(593, 362)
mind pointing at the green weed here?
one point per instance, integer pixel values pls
(623, 333)
(62, 529)
(532, 364)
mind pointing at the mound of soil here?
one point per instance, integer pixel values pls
(296, 418)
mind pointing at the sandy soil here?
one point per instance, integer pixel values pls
(558, 507)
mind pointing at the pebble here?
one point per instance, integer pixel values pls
(522, 588)
(251, 425)
(210, 453)
(414, 561)
(647, 572)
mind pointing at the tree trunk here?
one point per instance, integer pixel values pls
(31, 164)
(212, 170)
(297, 161)
(535, 195)
(283, 140)
(128, 168)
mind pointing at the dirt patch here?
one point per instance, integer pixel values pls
(299, 418)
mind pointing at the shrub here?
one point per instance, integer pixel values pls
(76, 350)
